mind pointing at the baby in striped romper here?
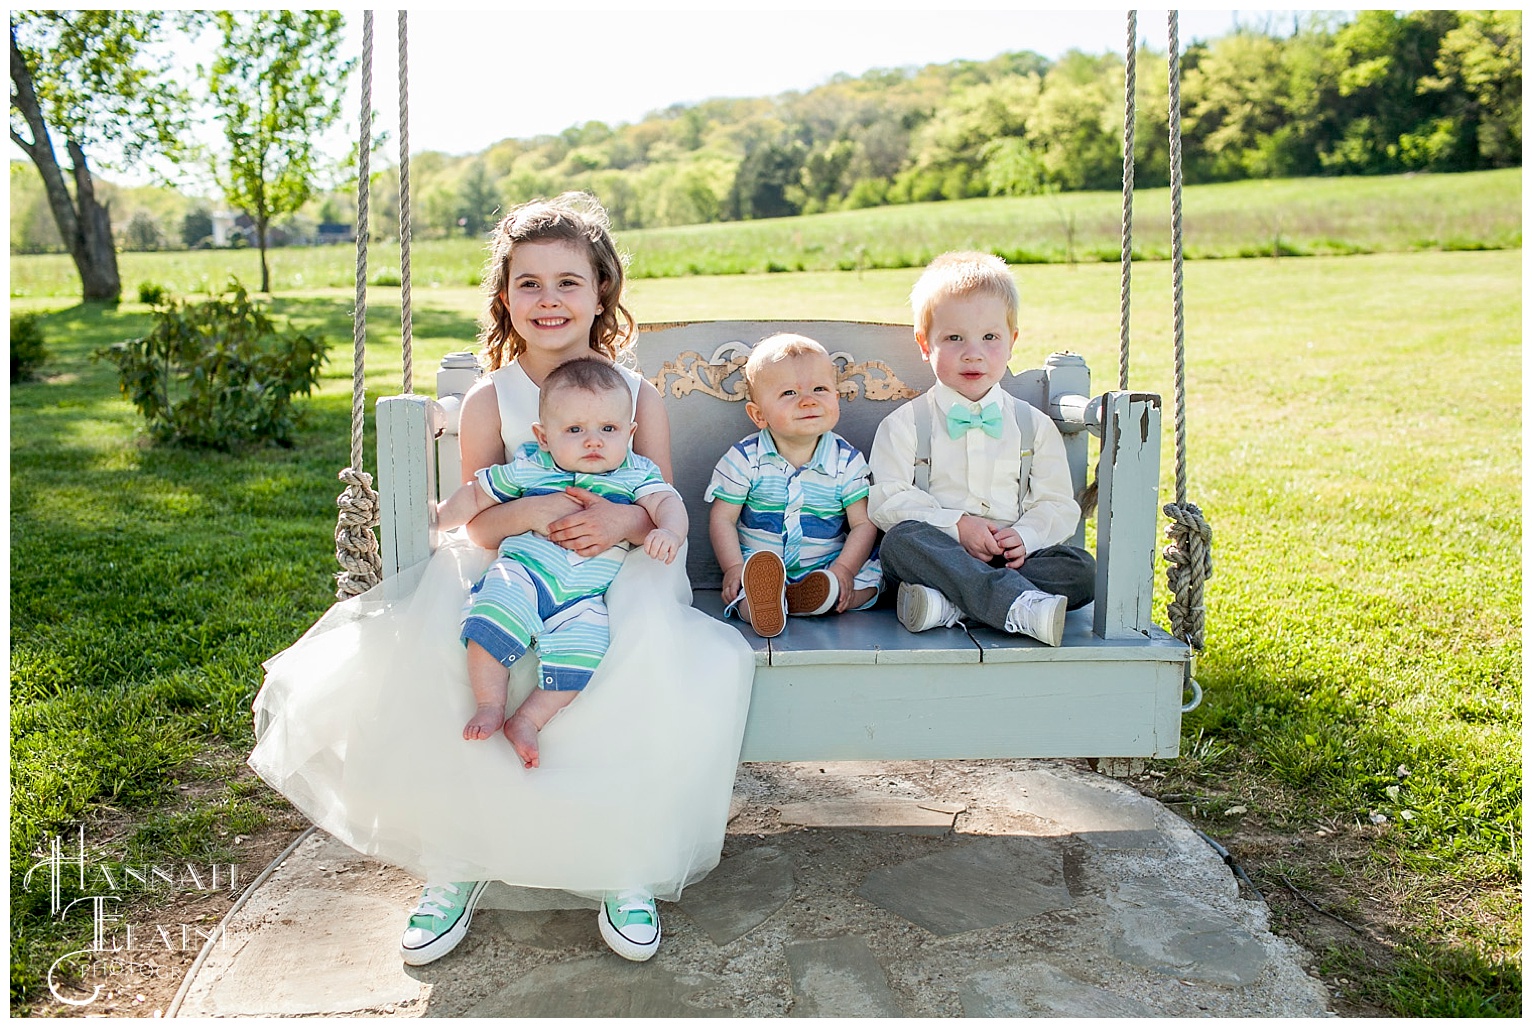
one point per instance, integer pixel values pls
(789, 517)
(537, 591)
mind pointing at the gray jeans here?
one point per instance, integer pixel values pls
(922, 554)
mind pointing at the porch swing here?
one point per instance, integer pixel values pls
(859, 686)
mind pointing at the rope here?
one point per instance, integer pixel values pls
(356, 548)
(1176, 258)
(1188, 556)
(1189, 562)
(405, 315)
(1129, 104)
(359, 312)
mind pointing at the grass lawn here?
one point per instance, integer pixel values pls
(1354, 441)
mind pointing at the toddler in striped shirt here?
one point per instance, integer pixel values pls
(788, 520)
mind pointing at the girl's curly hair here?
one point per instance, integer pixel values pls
(575, 218)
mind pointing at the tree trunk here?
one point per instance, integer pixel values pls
(98, 270)
(84, 224)
(260, 238)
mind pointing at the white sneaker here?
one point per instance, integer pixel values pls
(439, 921)
(1038, 614)
(630, 924)
(920, 608)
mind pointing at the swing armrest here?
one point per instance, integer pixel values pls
(452, 410)
(1127, 514)
(1073, 412)
(407, 428)
(1068, 390)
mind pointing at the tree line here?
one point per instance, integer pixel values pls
(1377, 93)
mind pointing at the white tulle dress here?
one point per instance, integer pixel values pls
(360, 725)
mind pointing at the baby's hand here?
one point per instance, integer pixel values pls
(732, 579)
(662, 544)
(847, 579)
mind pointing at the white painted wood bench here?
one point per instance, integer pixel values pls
(859, 686)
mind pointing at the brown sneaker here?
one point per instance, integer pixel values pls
(764, 582)
(814, 593)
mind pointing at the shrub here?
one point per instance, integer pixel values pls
(217, 374)
(29, 347)
(151, 293)
(143, 232)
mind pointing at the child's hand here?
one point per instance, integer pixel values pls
(588, 523)
(978, 538)
(847, 579)
(1011, 546)
(662, 544)
(733, 578)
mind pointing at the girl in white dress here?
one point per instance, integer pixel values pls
(360, 722)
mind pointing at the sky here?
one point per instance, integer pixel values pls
(477, 77)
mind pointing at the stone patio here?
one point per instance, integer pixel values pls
(908, 889)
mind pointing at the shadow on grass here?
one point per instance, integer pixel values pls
(1454, 981)
(1427, 979)
(333, 317)
(75, 332)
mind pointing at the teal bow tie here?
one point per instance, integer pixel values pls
(960, 420)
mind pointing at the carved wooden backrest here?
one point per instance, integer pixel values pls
(698, 369)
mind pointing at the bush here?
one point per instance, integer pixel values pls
(29, 347)
(217, 374)
(143, 232)
(151, 293)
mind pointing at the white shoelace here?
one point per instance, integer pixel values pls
(627, 902)
(434, 900)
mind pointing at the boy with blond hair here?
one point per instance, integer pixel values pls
(971, 486)
(789, 517)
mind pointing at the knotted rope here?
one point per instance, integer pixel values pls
(1189, 559)
(1188, 556)
(356, 546)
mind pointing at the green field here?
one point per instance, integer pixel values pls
(1293, 217)
(1354, 427)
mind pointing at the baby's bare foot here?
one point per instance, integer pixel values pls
(522, 731)
(486, 721)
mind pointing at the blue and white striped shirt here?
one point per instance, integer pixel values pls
(799, 513)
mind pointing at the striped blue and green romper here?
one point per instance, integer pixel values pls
(537, 591)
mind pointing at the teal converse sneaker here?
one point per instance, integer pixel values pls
(630, 924)
(439, 921)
